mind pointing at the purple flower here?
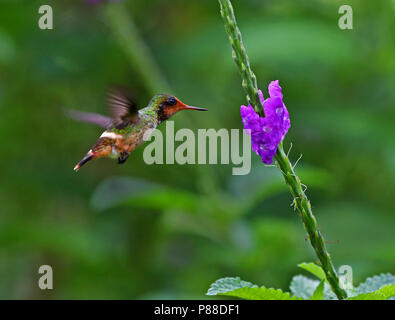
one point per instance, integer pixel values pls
(268, 132)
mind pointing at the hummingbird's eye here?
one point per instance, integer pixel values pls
(172, 101)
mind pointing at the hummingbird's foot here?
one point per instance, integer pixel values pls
(123, 157)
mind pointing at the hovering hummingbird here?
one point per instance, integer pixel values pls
(127, 125)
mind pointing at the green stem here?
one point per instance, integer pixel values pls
(301, 202)
(303, 205)
(135, 49)
(240, 56)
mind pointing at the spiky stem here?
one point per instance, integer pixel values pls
(240, 56)
(301, 202)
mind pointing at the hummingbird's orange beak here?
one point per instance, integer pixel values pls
(183, 106)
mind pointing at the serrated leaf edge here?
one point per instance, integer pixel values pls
(275, 292)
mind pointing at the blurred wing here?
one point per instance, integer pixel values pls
(122, 109)
(94, 118)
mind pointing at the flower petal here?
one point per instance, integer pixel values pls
(267, 132)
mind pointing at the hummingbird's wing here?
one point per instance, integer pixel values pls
(94, 118)
(123, 110)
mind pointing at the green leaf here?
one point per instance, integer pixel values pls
(139, 193)
(314, 269)
(387, 291)
(164, 199)
(367, 296)
(303, 287)
(383, 293)
(235, 287)
(319, 291)
(375, 283)
(228, 284)
(261, 293)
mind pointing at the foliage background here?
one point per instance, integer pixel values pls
(169, 231)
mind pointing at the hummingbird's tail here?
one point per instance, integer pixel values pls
(89, 156)
(102, 148)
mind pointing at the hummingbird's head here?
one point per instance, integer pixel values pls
(167, 105)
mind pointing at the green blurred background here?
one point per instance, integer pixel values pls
(168, 231)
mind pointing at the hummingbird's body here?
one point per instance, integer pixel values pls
(115, 143)
(126, 129)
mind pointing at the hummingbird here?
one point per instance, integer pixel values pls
(126, 125)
